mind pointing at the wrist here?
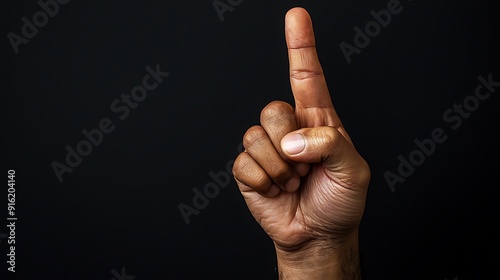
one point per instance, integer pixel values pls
(321, 260)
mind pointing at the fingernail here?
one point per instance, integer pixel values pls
(292, 185)
(274, 191)
(293, 143)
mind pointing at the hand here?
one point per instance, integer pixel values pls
(300, 174)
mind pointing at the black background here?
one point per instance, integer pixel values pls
(119, 207)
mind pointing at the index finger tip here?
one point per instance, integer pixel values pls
(298, 28)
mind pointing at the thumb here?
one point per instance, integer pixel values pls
(323, 144)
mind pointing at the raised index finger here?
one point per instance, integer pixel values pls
(312, 98)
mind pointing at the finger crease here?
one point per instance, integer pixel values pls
(304, 74)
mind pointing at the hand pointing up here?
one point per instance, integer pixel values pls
(300, 174)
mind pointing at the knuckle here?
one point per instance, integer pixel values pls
(254, 134)
(276, 111)
(245, 171)
(321, 137)
(329, 136)
(280, 172)
(239, 165)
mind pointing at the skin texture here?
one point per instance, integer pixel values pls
(300, 174)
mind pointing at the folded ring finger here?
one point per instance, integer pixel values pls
(260, 147)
